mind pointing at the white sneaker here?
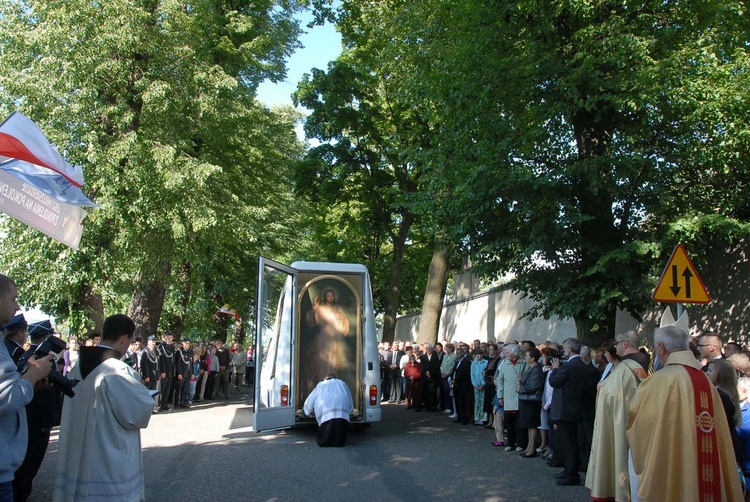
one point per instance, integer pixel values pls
(449, 412)
(508, 448)
(518, 448)
(453, 416)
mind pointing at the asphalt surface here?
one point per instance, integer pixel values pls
(211, 453)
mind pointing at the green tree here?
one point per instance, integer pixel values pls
(360, 174)
(156, 101)
(567, 130)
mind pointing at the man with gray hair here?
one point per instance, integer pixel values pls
(626, 345)
(574, 382)
(678, 432)
(429, 365)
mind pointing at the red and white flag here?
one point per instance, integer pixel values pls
(21, 139)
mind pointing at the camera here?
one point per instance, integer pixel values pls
(55, 346)
(553, 354)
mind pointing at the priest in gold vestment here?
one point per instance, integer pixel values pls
(607, 475)
(678, 432)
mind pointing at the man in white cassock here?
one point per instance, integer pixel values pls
(99, 456)
(332, 404)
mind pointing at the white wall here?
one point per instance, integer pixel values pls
(492, 316)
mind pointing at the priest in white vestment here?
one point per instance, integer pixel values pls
(99, 456)
(331, 403)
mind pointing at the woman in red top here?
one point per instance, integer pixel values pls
(412, 374)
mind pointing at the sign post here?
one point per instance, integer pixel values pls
(680, 282)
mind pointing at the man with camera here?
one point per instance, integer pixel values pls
(572, 381)
(16, 391)
(100, 439)
(42, 414)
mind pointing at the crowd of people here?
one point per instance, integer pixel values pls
(616, 415)
(113, 386)
(673, 428)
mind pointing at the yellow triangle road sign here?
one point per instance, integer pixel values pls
(680, 281)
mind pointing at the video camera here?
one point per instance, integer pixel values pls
(554, 354)
(55, 346)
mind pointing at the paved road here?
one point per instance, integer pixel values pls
(211, 453)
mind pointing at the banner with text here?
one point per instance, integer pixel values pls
(63, 222)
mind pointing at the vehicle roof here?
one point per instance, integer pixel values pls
(319, 266)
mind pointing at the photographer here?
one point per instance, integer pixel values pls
(16, 391)
(42, 414)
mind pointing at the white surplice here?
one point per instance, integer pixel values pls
(100, 440)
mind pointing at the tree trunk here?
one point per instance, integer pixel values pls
(593, 333)
(91, 305)
(240, 334)
(177, 323)
(148, 301)
(222, 323)
(394, 281)
(432, 306)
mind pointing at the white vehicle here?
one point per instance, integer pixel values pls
(313, 318)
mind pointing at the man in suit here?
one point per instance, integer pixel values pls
(393, 373)
(574, 382)
(462, 386)
(429, 365)
(709, 345)
(166, 352)
(383, 350)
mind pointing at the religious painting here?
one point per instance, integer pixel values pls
(329, 329)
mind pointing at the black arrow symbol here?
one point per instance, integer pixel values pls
(674, 287)
(687, 275)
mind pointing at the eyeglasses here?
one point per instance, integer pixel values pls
(705, 345)
(621, 341)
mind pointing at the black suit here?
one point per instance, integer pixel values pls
(183, 365)
(586, 426)
(42, 414)
(462, 388)
(150, 368)
(429, 383)
(393, 376)
(166, 366)
(573, 381)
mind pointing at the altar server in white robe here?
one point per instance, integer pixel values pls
(100, 440)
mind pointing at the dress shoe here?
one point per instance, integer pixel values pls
(569, 482)
(524, 455)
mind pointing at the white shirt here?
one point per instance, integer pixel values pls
(329, 399)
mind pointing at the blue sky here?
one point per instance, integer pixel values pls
(321, 44)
